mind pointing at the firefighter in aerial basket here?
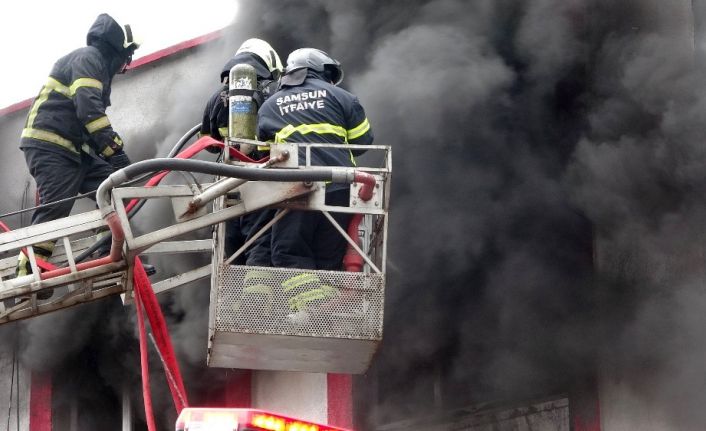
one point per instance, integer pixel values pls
(311, 108)
(68, 141)
(268, 67)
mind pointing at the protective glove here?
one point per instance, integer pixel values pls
(119, 160)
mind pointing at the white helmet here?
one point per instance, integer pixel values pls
(263, 50)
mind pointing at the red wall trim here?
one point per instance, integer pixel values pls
(142, 61)
(40, 392)
(339, 391)
(584, 407)
(166, 52)
(16, 107)
(238, 389)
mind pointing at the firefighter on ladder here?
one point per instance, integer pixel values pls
(268, 67)
(311, 108)
(68, 141)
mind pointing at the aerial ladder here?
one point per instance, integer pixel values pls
(341, 336)
(350, 331)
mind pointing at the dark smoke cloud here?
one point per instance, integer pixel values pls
(519, 128)
(638, 173)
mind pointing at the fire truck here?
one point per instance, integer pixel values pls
(340, 336)
(209, 419)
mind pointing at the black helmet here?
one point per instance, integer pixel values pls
(313, 59)
(119, 37)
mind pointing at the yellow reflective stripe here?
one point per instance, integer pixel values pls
(303, 129)
(54, 85)
(223, 131)
(107, 151)
(299, 280)
(85, 82)
(60, 88)
(57, 86)
(97, 124)
(44, 135)
(359, 130)
(41, 98)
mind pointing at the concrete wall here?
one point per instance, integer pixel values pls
(301, 395)
(622, 409)
(13, 403)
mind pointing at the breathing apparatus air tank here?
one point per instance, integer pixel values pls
(242, 109)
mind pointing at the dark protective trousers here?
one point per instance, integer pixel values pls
(58, 177)
(241, 229)
(307, 240)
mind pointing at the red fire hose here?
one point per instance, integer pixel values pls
(147, 300)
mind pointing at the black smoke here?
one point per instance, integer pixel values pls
(525, 133)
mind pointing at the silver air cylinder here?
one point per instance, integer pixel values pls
(242, 112)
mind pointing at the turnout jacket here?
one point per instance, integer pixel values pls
(68, 116)
(316, 112)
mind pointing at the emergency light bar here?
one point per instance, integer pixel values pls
(225, 419)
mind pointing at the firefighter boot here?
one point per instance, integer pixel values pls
(42, 251)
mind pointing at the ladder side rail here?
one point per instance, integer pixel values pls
(50, 231)
(17, 287)
(21, 311)
(49, 226)
(258, 198)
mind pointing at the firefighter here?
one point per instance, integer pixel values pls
(311, 108)
(68, 141)
(268, 66)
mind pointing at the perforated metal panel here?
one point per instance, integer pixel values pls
(264, 328)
